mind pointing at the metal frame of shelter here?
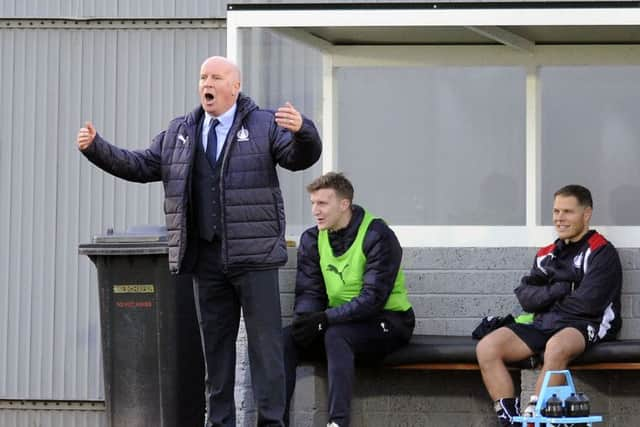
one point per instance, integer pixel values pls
(569, 33)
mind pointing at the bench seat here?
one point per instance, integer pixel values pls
(458, 353)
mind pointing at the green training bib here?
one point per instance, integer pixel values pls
(343, 275)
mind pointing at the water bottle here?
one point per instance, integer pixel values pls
(553, 407)
(573, 406)
(529, 411)
(585, 405)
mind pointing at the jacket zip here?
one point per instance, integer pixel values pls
(237, 120)
(185, 216)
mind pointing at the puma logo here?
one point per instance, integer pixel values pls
(334, 269)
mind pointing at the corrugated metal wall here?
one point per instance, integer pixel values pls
(130, 83)
(113, 8)
(12, 418)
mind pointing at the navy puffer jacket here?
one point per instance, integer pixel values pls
(253, 221)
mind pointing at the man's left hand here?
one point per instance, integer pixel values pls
(307, 327)
(289, 118)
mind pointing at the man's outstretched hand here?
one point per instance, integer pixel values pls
(86, 135)
(289, 118)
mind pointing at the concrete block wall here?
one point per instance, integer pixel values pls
(384, 398)
(451, 289)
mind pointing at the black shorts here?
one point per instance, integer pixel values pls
(536, 338)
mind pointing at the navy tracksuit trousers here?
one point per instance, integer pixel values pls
(341, 345)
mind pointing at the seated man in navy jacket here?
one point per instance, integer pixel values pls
(351, 301)
(573, 290)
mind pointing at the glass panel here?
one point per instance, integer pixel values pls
(435, 145)
(591, 136)
(276, 70)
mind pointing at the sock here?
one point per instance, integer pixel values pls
(506, 408)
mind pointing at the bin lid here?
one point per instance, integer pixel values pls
(137, 240)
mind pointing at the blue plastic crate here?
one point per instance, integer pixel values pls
(562, 391)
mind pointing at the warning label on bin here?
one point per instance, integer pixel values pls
(134, 304)
(134, 289)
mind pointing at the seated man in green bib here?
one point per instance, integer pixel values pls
(350, 298)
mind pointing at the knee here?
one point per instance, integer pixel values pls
(336, 338)
(487, 350)
(339, 350)
(334, 335)
(557, 354)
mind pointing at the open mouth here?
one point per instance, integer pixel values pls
(208, 97)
